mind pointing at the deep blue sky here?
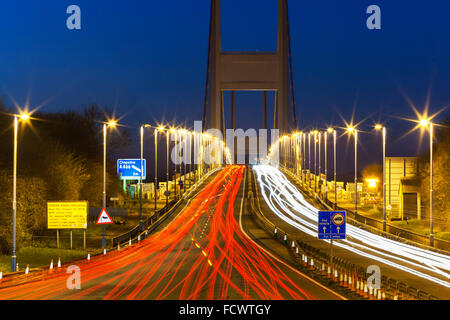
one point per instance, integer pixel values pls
(147, 59)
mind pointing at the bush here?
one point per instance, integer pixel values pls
(31, 210)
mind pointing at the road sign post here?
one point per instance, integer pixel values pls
(331, 226)
(104, 219)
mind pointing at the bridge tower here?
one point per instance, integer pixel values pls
(249, 71)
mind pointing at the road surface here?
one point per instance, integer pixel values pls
(286, 206)
(201, 254)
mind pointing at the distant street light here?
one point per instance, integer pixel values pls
(112, 124)
(174, 134)
(325, 138)
(334, 168)
(23, 117)
(425, 123)
(320, 161)
(309, 159)
(160, 128)
(141, 222)
(380, 127)
(167, 168)
(184, 160)
(315, 161)
(304, 158)
(355, 132)
(190, 158)
(140, 180)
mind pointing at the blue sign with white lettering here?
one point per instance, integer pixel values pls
(130, 169)
(331, 225)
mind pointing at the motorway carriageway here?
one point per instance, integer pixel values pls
(203, 253)
(418, 267)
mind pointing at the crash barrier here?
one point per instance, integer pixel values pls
(133, 233)
(351, 278)
(113, 212)
(376, 226)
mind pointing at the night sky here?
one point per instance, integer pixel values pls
(147, 60)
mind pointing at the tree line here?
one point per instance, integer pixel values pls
(60, 157)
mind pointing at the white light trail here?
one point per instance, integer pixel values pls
(288, 204)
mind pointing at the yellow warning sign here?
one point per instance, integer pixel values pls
(67, 215)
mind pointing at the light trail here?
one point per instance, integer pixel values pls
(182, 261)
(288, 204)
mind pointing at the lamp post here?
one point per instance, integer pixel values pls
(141, 177)
(184, 161)
(334, 168)
(141, 222)
(177, 169)
(355, 132)
(304, 158)
(315, 161)
(190, 158)
(425, 123)
(174, 175)
(14, 202)
(325, 138)
(383, 129)
(320, 161)
(167, 168)
(309, 159)
(23, 117)
(160, 128)
(111, 123)
(156, 169)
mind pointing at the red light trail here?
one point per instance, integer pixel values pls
(185, 260)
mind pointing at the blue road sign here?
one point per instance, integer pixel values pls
(331, 224)
(130, 169)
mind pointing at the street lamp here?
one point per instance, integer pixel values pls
(174, 175)
(334, 165)
(425, 123)
(380, 127)
(325, 138)
(183, 164)
(160, 128)
(184, 160)
(315, 161)
(24, 117)
(140, 180)
(355, 132)
(304, 158)
(309, 159)
(167, 168)
(190, 158)
(141, 222)
(320, 161)
(111, 124)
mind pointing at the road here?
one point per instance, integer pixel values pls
(202, 253)
(288, 208)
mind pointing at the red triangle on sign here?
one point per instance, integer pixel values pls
(104, 217)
